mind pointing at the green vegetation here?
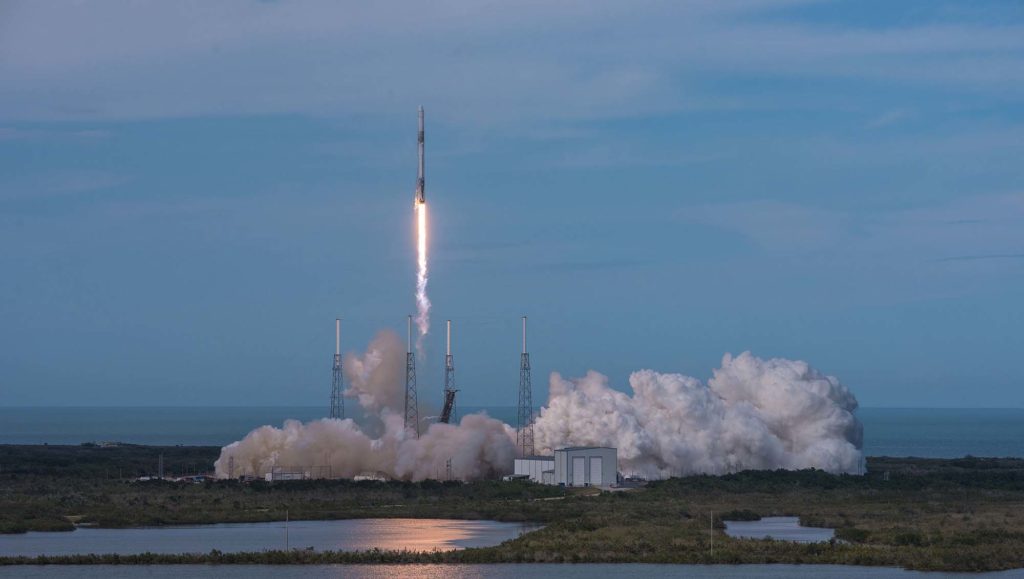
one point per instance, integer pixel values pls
(964, 514)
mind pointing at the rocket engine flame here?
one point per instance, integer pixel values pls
(422, 301)
(420, 205)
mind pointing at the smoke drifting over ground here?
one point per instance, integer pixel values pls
(478, 446)
(752, 414)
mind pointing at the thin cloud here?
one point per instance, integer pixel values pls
(965, 221)
(495, 64)
(983, 257)
(35, 134)
(888, 118)
(70, 183)
(914, 234)
(571, 266)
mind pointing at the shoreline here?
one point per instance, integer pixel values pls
(920, 514)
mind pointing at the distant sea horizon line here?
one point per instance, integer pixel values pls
(938, 432)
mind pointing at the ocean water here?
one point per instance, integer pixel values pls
(923, 432)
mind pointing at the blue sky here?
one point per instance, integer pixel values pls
(190, 192)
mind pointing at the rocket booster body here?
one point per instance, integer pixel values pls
(420, 183)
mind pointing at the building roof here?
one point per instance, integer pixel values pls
(535, 457)
(585, 448)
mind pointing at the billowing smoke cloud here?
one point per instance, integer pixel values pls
(752, 414)
(376, 379)
(479, 446)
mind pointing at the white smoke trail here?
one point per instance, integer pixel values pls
(752, 414)
(422, 301)
(479, 446)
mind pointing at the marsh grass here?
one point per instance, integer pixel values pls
(964, 515)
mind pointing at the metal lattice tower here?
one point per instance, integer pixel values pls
(412, 412)
(524, 421)
(337, 382)
(448, 410)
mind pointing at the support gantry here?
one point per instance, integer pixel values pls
(412, 412)
(524, 419)
(337, 382)
(448, 409)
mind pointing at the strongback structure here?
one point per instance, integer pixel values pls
(448, 411)
(524, 420)
(412, 413)
(337, 385)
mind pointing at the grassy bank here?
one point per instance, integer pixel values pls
(965, 514)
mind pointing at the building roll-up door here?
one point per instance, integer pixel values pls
(579, 471)
(595, 471)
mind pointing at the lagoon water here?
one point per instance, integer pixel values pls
(779, 528)
(346, 535)
(936, 433)
(888, 432)
(528, 571)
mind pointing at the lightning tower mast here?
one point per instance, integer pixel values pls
(524, 421)
(337, 386)
(448, 412)
(412, 413)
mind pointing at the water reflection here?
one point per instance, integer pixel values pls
(779, 528)
(350, 535)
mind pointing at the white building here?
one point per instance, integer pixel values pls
(279, 474)
(581, 466)
(577, 466)
(371, 475)
(534, 467)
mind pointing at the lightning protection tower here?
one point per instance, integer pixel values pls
(412, 413)
(337, 386)
(448, 411)
(524, 420)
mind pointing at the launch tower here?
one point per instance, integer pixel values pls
(337, 385)
(524, 420)
(448, 411)
(412, 412)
